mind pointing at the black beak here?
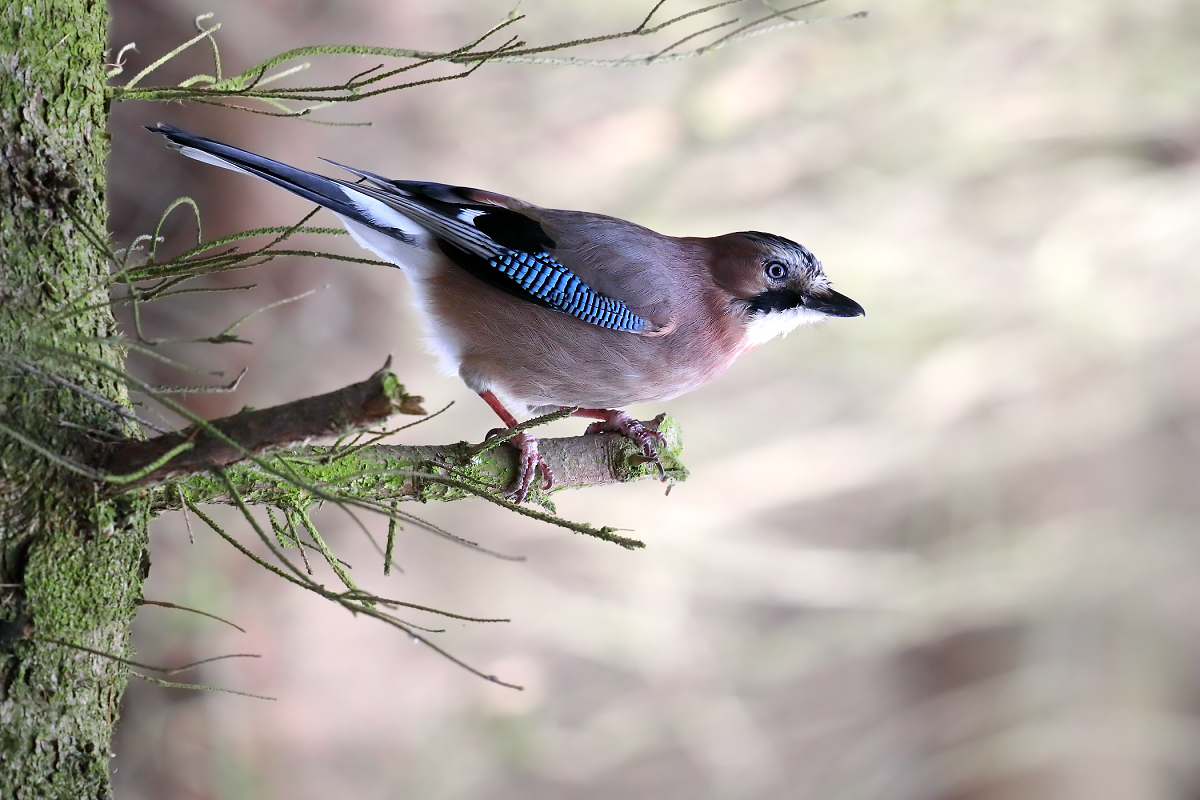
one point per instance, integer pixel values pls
(833, 304)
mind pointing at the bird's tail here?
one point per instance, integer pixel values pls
(317, 188)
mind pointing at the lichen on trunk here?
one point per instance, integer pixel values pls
(71, 562)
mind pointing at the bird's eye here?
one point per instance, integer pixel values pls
(776, 271)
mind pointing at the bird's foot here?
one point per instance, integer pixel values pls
(529, 463)
(645, 437)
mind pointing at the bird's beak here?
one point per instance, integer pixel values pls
(833, 304)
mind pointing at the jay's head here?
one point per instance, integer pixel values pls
(776, 284)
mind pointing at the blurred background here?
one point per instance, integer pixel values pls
(945, 551)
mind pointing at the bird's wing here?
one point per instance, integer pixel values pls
(497, 239)
(598, 269)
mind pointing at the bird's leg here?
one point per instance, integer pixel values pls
(530, 461)
(619, 422)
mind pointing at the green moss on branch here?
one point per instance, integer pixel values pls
(395, 473)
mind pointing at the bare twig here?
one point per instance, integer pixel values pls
(165, 604)
(251, 84)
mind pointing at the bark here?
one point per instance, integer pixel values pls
(71, 561)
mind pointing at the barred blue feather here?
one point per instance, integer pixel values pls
(555, 285)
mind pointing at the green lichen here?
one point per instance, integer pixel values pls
(420, 473)
(71, 562)
(379, 476)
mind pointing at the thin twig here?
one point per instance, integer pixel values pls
(165, 604)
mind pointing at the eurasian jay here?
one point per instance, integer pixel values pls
(539, 308)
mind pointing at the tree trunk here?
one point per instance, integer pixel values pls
(71, 561)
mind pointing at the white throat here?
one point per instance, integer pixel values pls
(765, 327)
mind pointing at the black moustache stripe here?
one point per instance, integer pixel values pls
(775, 300)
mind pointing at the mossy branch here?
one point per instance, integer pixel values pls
(394, 473)
(253, 467)
(353, 408)
(369, 472)
(378, 477)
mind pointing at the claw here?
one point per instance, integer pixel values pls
(620, 422)
(530, 462)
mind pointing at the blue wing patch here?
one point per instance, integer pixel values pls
(549, 282)
(507, 250)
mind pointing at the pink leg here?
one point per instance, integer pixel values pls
(530, 460)
(619, 422)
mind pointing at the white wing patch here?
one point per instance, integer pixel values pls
(384, 215)
(414, 258)
(468, 214)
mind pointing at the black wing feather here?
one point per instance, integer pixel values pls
(504, 249)
(499, 246)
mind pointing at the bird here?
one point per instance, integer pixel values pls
(540, 309)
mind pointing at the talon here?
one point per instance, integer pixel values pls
(643, 436)
(662, 471)
(529, 460)
(529, 463)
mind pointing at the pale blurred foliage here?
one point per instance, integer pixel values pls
(945, 551)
